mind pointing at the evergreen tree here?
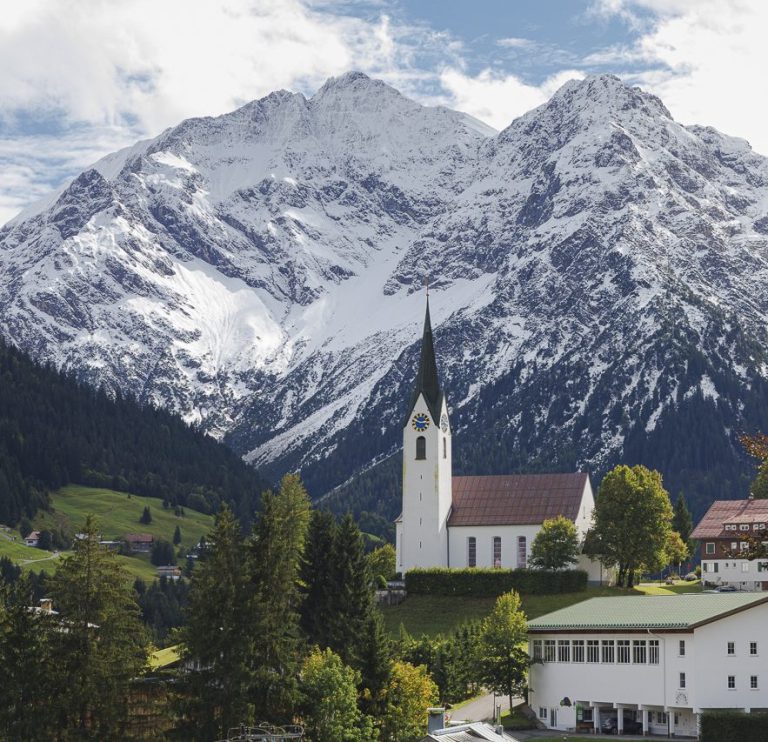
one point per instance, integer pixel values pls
(104, 647)
(216, 637)
(146, 516)
(163, 553)
(352, 593)
(275, 554)
(556, 545)
(27, 685)
(503, 659)
(632, 519)
(375, 664)
(330, 700)
(177, 536)
(683, 523)
(316, 578)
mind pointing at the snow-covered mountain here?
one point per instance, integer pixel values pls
(598, 276)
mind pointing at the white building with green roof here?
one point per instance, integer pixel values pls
(650, 664)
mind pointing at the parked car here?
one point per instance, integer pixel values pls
(691, 576)
(726, 589)
(611, 726)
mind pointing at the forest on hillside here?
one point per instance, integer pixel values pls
(55, 430)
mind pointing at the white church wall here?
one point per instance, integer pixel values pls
(484, 535)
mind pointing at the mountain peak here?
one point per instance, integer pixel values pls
(601, 92)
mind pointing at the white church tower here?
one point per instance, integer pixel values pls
(421, 531)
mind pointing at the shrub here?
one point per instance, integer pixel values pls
(733, 726)
(493, 582)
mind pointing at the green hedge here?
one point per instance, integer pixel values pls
(733, 726)
(493, 582)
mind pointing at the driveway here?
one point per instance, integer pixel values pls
(481, 708)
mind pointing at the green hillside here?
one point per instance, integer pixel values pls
(118, 513)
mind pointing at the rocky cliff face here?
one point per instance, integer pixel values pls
(597, 273)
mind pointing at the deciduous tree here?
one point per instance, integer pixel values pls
(632, 518)
(381, 563)
(329, 690)
(556, 545)
(410, 693)
(502, 656)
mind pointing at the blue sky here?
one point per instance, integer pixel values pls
(81, 78)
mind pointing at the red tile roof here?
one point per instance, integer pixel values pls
(138, 538)
(728, 511)
(515, 499)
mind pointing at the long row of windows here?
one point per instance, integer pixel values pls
(522, 552)
(606, 651)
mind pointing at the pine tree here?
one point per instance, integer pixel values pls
(274, 557)
(25, 655)
(353, 594)
(177, 536)
(105, 645)
(316, 577)
(216, 637)
(375, 665)
(682, 522)
(146, 516)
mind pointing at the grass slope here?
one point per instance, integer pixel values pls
(440, 614)
(117, 514)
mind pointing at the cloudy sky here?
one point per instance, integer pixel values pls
(81, 78)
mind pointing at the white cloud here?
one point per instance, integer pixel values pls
(705, 60)
(498, 99)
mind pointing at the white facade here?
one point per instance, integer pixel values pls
(422, 531)
(668, 679)
(741, 573)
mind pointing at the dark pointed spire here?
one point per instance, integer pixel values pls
(427, 381)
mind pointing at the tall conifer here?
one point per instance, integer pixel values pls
(316, 575)
(353, 594)
(274, 557)
(216, 636)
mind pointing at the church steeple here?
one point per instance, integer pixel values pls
(427, 380)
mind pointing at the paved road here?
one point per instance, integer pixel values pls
(481, 709)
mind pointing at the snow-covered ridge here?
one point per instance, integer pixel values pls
(261, 272)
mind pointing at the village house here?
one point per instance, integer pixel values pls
(170, 572)
(140, 543)
(721, 534)
(33, 539)
(651, 664)
(473, 521)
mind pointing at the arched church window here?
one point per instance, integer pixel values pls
(445, 448)
(421, 447)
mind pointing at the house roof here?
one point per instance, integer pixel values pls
(515, 499)
(427, 381)
(139, 537)
(648, 612)
(32, 536)
(730, 511)
(472, 732)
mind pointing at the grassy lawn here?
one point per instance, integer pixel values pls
(118, 513)
(442, 614)
(680, 586)
(17, 551)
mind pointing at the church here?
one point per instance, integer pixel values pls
(472, 521)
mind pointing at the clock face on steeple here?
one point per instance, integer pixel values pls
(444, 423)
(420, 422)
